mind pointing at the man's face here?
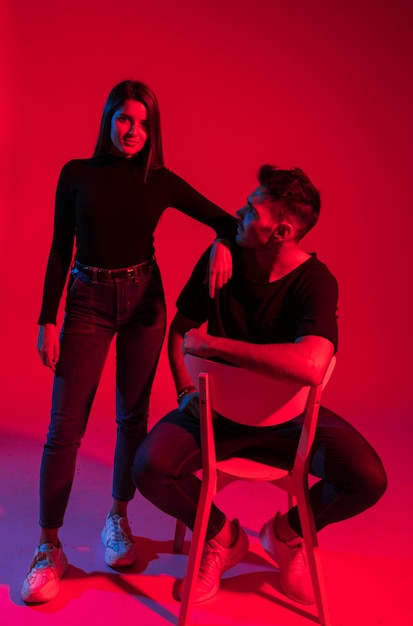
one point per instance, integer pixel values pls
(256, 221)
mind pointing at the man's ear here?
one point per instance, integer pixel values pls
(283, 231)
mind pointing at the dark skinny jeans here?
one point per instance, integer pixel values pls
(352, 475)
(133, 309)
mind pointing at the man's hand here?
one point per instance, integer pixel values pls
(220, 265)
(198, 342)
(190, 404)
(48, 345)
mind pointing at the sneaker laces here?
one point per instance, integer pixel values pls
(212, 561)
(119, 530)
(299, 558)
(42, 560)
(296, 550)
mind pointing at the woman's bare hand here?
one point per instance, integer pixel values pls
(220, 265)
(48, 345)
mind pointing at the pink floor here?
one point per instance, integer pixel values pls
(367, 560)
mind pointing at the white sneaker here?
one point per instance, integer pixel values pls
(215, 561)
(47, 568)
(291, 558)
(118, 541)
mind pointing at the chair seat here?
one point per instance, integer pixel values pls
(247, 469)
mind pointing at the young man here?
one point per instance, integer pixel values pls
(277, 317)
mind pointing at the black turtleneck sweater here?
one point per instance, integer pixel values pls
(107, 206)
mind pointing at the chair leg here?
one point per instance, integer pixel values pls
(197, 546)
(313, 555)
(180, 530)
(292, 500)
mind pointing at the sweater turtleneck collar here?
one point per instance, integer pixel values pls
(121, 161)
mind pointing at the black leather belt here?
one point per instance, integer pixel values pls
(104, 276)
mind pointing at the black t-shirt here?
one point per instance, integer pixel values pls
(304, 302)
(107, 206)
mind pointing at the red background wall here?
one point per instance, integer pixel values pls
(309, 83)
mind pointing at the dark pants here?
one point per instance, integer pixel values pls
(134, 310)
(352, 475)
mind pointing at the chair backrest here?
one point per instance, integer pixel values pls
(249, 398)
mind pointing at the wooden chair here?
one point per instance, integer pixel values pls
(249, 398)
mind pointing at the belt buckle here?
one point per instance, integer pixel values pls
(103, 274)
(130, 273)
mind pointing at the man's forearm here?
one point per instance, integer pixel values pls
(179, 326)
(305, 361)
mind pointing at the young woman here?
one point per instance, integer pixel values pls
(109, 205)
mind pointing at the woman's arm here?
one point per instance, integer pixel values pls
(60, 256)
(195, 205)
(220, 265)
(61, 250)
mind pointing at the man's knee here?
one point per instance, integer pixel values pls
(370, 482)
(169, 451)
(148, 468)
(377, 482)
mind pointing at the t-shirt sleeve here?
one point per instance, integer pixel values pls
(193, 301)
(61, 250)
(319, 298)
(186, 199)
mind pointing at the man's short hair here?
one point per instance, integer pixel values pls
(296, 193)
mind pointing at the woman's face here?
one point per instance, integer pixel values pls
(129, 128)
